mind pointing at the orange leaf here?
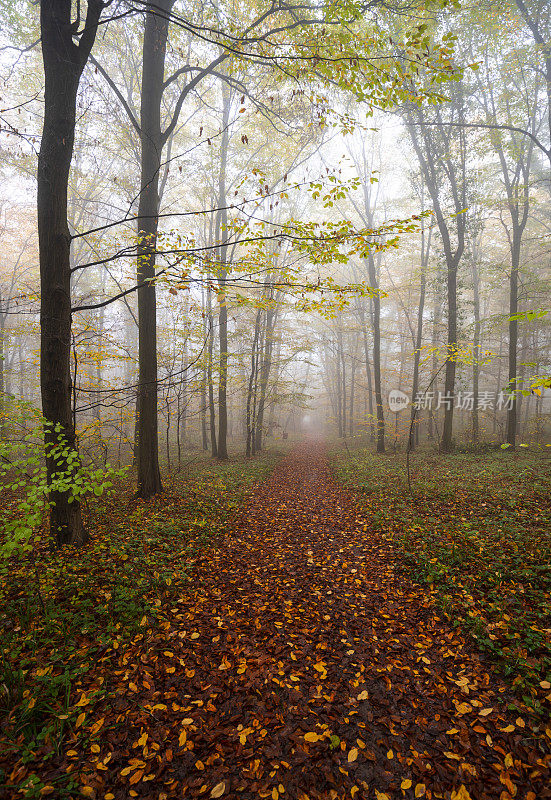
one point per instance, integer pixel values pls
(353, 755)
(218, 790)
(137, 776)
(461, 794)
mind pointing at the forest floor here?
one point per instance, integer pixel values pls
(298, 659)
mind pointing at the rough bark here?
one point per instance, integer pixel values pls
(476, 347)
(151, 142)
(64, 61)
(251, 384)
(221, 235)
(271, 319)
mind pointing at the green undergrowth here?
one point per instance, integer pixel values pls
(61, 611)
(475, 528)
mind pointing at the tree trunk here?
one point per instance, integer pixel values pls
(151, 140)
(2, 382)
(212, 410)
(417, 359)
(221, 235)
(513, 339)
(376, 323)
(252, 379)
(369, 381)
(352, 389)
(63, 64)
(446, 444)
(476, 348)
(271, 318)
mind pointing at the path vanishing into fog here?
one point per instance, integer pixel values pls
(301, 665)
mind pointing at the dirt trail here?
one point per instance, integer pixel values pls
(300, 665)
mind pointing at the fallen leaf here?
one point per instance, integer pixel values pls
(353, 755)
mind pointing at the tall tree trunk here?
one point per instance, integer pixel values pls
(212, 410)
(63, 64)
(417, 358)
(2, 381)
(476, 348)
(339, 391)
(446, 444)
(204, 435)
(513, 338)
(369, 381)
(499, 387)
(151, 140)
(271, 319)
(376, 325)
(250, 387)
(221, 235)
(352, 389)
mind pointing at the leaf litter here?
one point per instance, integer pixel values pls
(299, 664)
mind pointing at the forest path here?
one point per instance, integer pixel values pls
(296, 630)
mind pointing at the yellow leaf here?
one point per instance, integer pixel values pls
(87, 791)
(80, 720)
(508, 760)
(381, 795)
(95, 748)
(218, 790)
(420, 790)
(363, 695)
(508, 729)
(485, 711)
(461, 794)
(199, 765)
(32, 703)
(83, 701)
(137, 776)
(406, 784)
(182, 739)
(97, 725)
(311, 737)
(463, 708)
(275, 794)
(545, 685)
(353, 755)
(390, 755)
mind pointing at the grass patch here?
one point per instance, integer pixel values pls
(477, 530)
(64, 611)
